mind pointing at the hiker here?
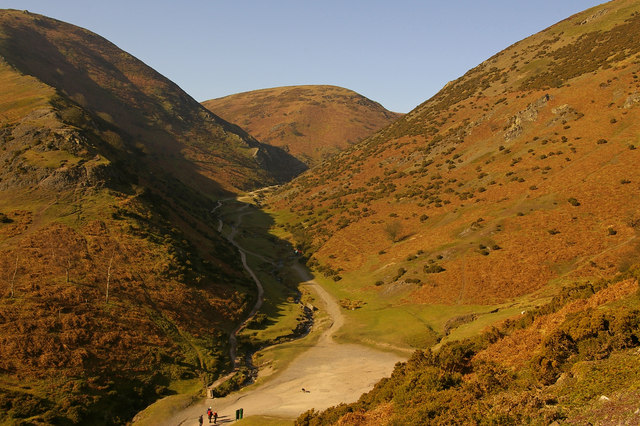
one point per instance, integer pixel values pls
(209, 414)
(200, 420)
(215, 417)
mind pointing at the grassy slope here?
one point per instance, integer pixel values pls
(310, 122)
(515, 179)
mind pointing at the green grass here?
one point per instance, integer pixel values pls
(591, 379)
(21, 93)
(50, 159)
(395, 324)
(254, 235)
(278, 305)
(264, 421)
(187, 392)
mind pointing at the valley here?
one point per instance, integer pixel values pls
(312, 361)
(307, 255)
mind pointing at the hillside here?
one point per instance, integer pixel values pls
(518, 173)
(115, 289)
(145, 113)
(514, 181)
(312, 123)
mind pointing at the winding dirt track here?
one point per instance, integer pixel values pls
(329, 372)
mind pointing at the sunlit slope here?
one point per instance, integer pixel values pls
(521, 172)
(310, 122)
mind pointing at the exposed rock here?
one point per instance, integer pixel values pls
(596, 15)
(632, 100)
(563, 114)
(529, 114)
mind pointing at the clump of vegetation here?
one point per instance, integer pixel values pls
(393, 230)
(432, 268)
(350, 304)
(574, 202)
(399, 274)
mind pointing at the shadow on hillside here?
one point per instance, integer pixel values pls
(269, 258)
(127, 102)
(148, 155)
(164, 206)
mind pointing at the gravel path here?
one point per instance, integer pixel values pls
(326, 374)
(329, 372)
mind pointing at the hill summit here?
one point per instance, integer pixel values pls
(312, 123)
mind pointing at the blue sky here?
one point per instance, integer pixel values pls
(398, 53)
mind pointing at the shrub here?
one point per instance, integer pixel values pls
(556, 349)
(455, 357)
(573, 202)
(433, 268)
(392, 230)
(399, 274)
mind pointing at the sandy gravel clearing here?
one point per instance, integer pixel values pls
(329, 372)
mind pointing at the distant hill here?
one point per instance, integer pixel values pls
(310, 122)
(114, 285)
(514, 181)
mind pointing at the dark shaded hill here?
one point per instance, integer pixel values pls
(150, 114)
(310, 122)
(115, 289)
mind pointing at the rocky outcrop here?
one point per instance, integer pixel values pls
(631, 101)
(529, 114)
